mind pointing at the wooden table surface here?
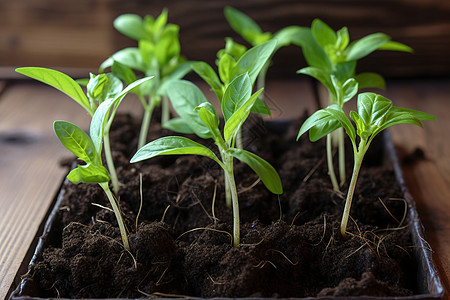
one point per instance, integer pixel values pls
(30, 174)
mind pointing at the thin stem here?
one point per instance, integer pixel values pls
(234, 196)
(261, 80)
(341, 153)
(116, 210)
(165, 110)
(110, 163)
(330, 164)
(239, 144)
(228, 201)
(146, 122)
(351, 189)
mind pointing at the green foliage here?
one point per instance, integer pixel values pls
(201, 118)
(375, 114)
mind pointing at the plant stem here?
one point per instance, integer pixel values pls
(228, 201)
(239, 144)
(165, 110)
(148, 111)
(341, 154)
(110, 163)
(234, 197)
(330, 164)
(351, 189)
(116, 210)
(261, 79)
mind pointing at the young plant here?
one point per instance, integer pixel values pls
(232, 62)
(157, 54)
(250, 31)
(332, 61)
(195, 110)
(375, 113)
(100, 88)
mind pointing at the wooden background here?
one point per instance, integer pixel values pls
(79, 34)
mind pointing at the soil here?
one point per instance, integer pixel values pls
(290, 244)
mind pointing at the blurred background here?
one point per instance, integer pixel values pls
(78, 35)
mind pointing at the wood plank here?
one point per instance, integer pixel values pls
(427, 177)
(80, 34)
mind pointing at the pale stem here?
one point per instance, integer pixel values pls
(228, 201)
(116, 210)
(341, 154)
(351, 190)
(110, 163)
(261, 79)
(234, 196)
(165, 110)
(148, 111)
(330, 164)
(239, 144)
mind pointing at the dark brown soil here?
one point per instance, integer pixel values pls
(291, 246)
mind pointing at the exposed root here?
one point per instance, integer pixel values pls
(213, 281)
(164, 214)
(158, 283)
(324, 231)
(389, 212)
(405, 211)
(295, 217)
(250, 187)
(214, 202)
(102, 207)
(313, 170)
(251, 245)
(162, 295)
(282, 254)
(262, 263)
(201, 205)
(204, 228)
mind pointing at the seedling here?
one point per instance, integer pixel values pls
(100, 88)
(157, 54)
(195, 110)
(232, 63)
(375, 113)
(250, 31)
(332, 61)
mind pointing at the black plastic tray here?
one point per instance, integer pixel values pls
(429, 285)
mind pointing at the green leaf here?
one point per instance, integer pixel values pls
(103, 86)
(321, 75)
(207, 73)
(373, 108)
(349, 89)
(161, 21)
(208, 115)
(130, 57)
(232, 48)
(59, 81)
(234, 123)
(227, 66)
(396, 46)
(325, 121)
(261, 108)
(173, 145)
(314, 54)
(178, 125)
(123, 72)
(323, 34)
(366, 45)
(168, 45)
(131, 25)
(242, 24)
(76, 141)
(89, 174)
(236, 94)
(287, 36)
(185, 97)
(265, 171)
(370, 80)
(98, 122)
(254, 59)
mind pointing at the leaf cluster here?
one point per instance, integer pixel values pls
(195, 110)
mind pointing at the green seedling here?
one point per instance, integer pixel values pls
(234, 61)
(375, 113)
(251, 32)
(157, 54)
(332, 61)
(195, 110)
(100, 88)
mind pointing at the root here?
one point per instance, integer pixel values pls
(263, 263)
(405, 211)
(324, 231)
(204, 228)
(250, 187)
(214, 202)
(313, 170)
(282, 254)
(102, 207)
(158, 283)
(164, 214)
(213, 281)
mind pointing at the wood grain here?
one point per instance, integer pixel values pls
(80, 34)
(426, 161)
